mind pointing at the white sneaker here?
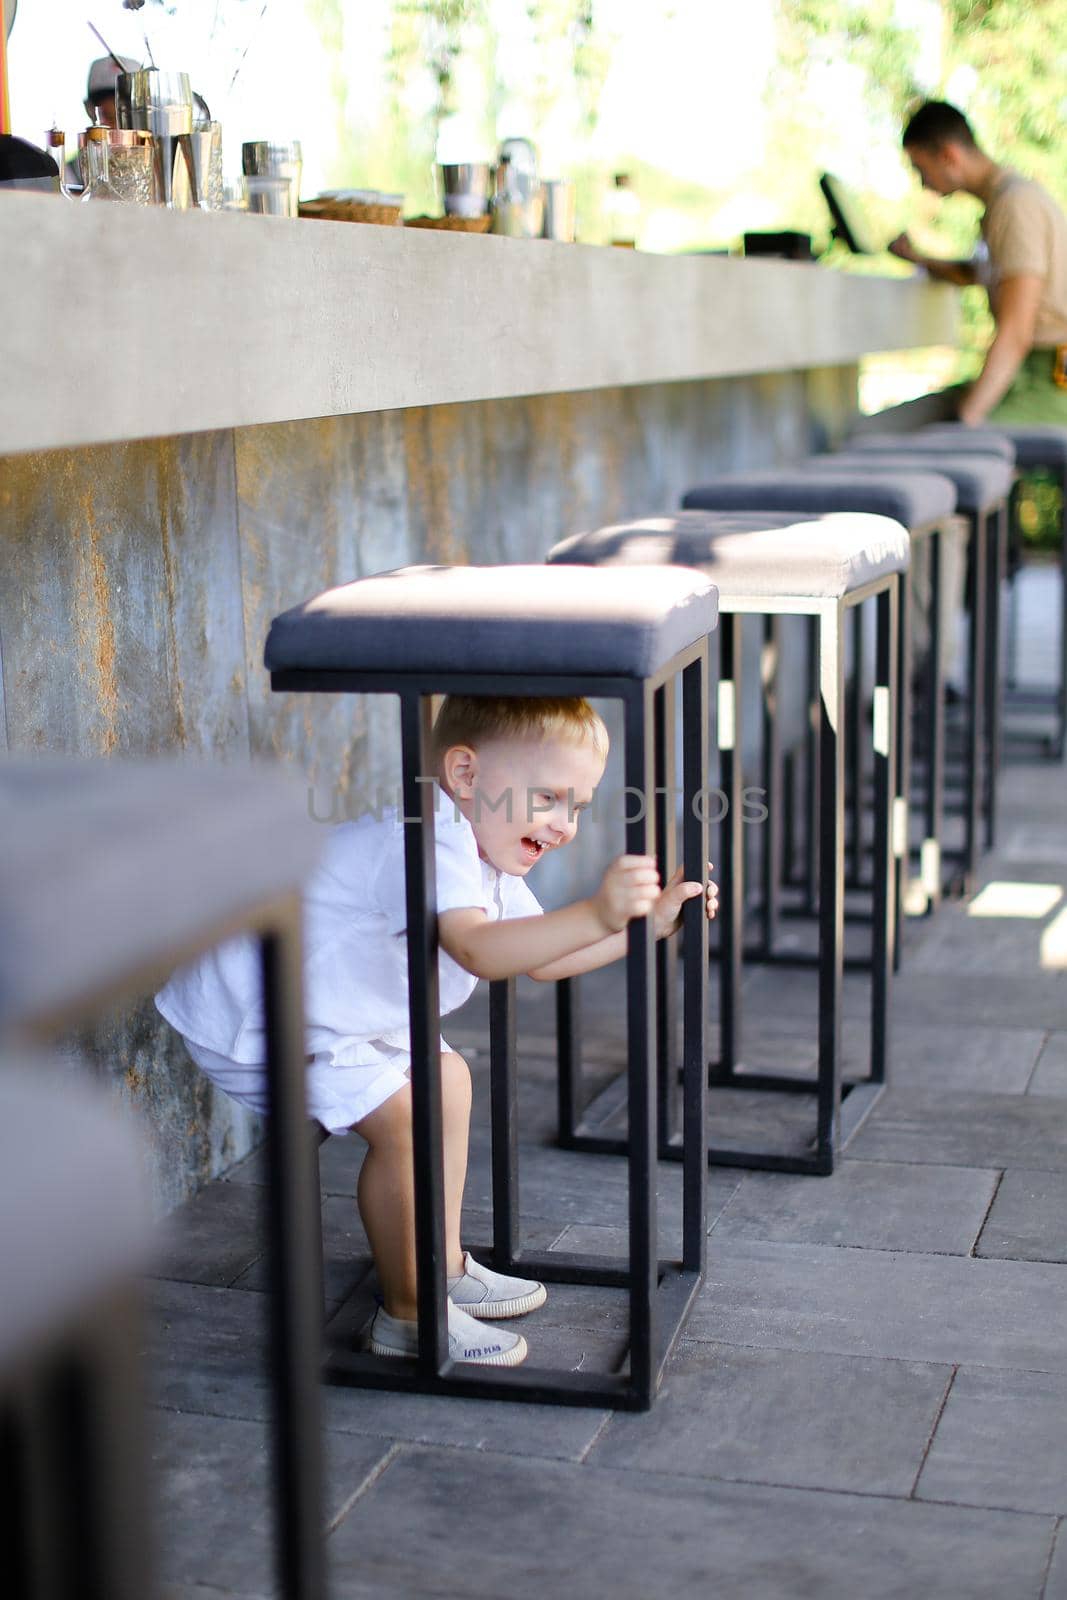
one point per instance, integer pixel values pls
(467, 1339)
(487, 1295)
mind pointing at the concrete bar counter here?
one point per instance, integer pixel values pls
(206, 418)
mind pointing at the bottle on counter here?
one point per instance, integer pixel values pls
(56, 142)
(624, 212)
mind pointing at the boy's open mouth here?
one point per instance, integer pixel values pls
(535, 847)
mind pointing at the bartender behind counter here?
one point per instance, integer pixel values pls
(1024, 378)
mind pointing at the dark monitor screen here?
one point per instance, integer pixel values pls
(847, 213)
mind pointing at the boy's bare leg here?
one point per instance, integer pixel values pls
(386, 1188)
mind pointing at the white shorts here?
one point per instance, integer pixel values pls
(342, 1087)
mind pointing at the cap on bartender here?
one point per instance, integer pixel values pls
(103, 76)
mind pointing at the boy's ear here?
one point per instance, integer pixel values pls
(460, 767)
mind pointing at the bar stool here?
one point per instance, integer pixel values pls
(113, 873)
(1038, 447)
(983, 484)
(517, 630)
(925, 504)
(783, 565)
(75, 1238)
(934, 439)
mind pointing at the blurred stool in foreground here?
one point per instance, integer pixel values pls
(75, 1232)
(112, 873)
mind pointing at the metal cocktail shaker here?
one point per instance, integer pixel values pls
(262, 158)
(162, 103)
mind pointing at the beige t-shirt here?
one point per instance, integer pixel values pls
(1026, 232)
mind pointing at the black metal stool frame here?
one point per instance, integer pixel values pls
(838, 1117)
(778, 856)
(1023, 696)
(661, 1293)
(293, 1221)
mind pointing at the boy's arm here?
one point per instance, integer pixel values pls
(666, 916)
(521, 944)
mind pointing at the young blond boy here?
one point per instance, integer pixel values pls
(513, 777)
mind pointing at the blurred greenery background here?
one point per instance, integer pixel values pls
(724, 115)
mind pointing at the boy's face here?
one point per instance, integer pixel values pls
(522, 797)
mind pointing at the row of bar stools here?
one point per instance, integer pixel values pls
(112, 873)
(1038, 447)
(925, 504)
(774, 567)
(983, 484)
(524, 631)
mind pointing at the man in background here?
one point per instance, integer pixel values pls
(100, 89)
(1024, 378)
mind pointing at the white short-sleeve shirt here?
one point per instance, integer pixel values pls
(355, 964)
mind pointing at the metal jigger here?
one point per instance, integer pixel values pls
(161, 103)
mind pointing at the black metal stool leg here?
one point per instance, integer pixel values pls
(813, 767)
(695, 969)
(665, 703)
(773, 847)
(295, 1245)
(857, 753)
(934, 797)
(425, 1020)
(570, 1099)
(976, 724)
(831, 819)
(902, 799)
(997, 555)
(503, 1091)
(638, 759)
(883, 916)
(731, 862)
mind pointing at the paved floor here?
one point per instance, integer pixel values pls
(871, 1397)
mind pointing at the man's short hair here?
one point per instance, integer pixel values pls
(936, 124)
(482, 719)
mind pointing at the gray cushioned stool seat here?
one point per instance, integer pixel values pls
(914, 499)
(109, 867)
(74, 1213)
(981, 482)
(497, 619)
(1036, 444)
(754, 555)
(930, 441)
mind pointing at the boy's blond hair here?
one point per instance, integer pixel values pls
(480, 719)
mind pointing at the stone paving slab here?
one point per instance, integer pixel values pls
(909, 1307)
(489, 1528)
(1000, 1443)
(1050, 1074)
(1028, 1220)
(1056, 1583)
(955, 1058)
(345, 1249)
(988, 999)
(564, 1186)
(207, 1357)
(214, 1237)
(778, 1417)
(1000, 946)
(976, 1130)
(785, 991)
(214, 1498)
(873, 1204)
